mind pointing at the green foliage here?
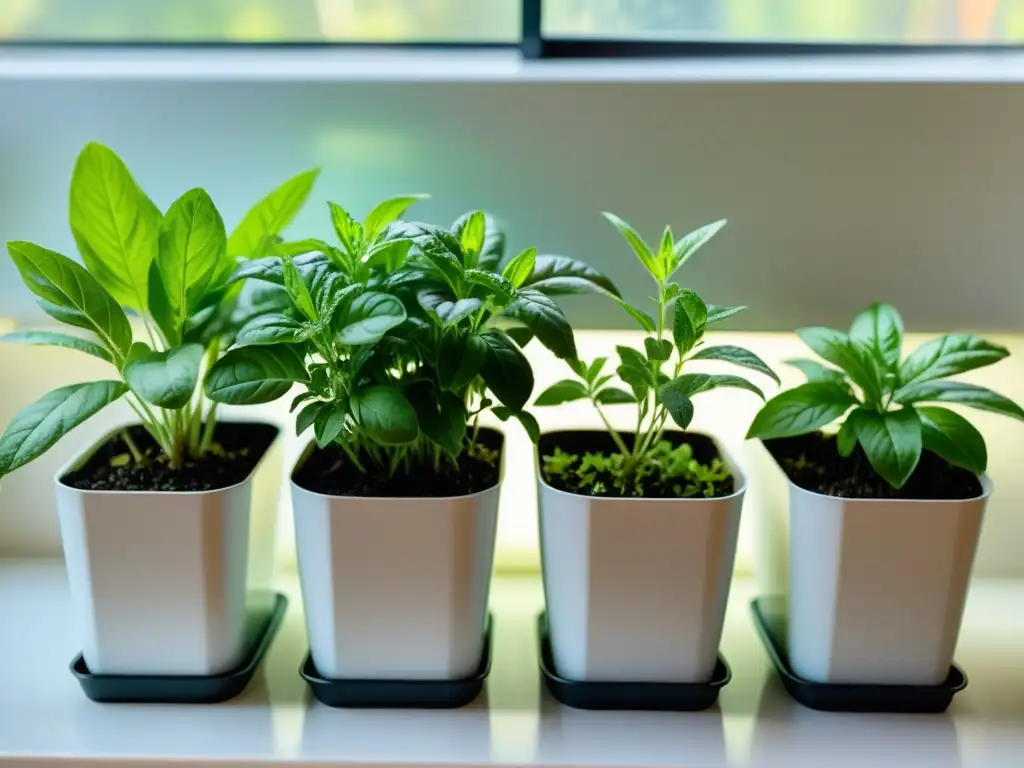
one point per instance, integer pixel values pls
(884, 399)
(661, 467)
(394, 330)
(168, 268)
(659, 388)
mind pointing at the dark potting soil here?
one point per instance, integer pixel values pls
(330, 472)
(814, 464)
(581, 442)
(238, 447)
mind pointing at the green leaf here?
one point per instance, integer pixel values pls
(65, 315)
(270, 328)
(160, 308)
(716, 313)
(192, 256)
(445, 307)
(594, 369)
(389, 255)
(266, 220)
(737, 356)
(387, 212)
(947, 356)
(648, 259)
(36, 428)
(541, 315)
(564, 391)
(815, 371)
(658, 350)
(952, 437)
(460, 360)
(674, 396)
(114, 224)
(386, 415)
(530, 424)
(165, 379)
(846, 438)
(443, 420)
(307, 416)
(801, 410)
(665, 255)
(253, 375)
(959, 392)
(301, 398)
(521, 336)
(519, 269)
(694, 383)
(614, 396)
(691, 243)
(632, 359)
(471, 238)
(880, 327)
(441, 253)
(328, 424)
(836, 347)
(506, 371)
(63, 283)
(51, 339)
(646, 321)
(271, 270)
(493, 249)
(560, 275)
(348, 230)
(690, 318)
(297, 289)
(369, 317)
(892, 442)
(496, 285)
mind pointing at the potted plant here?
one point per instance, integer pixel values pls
(392, 335)
(155, 517)
(638, 530)
(885, 513)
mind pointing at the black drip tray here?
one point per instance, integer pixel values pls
(400, 694)
(770, 619)
(186, 689)
(671, 697)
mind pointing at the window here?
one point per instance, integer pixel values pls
(260, 21)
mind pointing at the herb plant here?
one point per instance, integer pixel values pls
(883, 397)
(392, 333)
(167, 269)
(658, 385)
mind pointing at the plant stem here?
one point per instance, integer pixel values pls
(208, 429)
(133, 449)
(611, 430)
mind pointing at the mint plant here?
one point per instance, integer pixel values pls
(170, 271)
(658, 384)
(883, 396)
(392, 333)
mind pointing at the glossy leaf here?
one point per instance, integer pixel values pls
(691, 316)
(815, 371)
(114, 225)
(328, 423)
(846, 438)
(387, 212)
(695, 383)
(564, 391)
(64, 283)
(269, 328)
(271, 270)
(952, 437)
(835, 347)
(268, 218)
(541, 315)
(717, 313)
(167, 378)
(892, 442)
(443, 420)
(505, 371)
(449, 311)
(676, 399)
(460, 360)
(560, 275)
(737, 356)
(658, 350)
(368, 317)
(520, 268)
(880, 327)
(308, 415)
(801, 410)
(959, 392)
(640, 248)
(493, 250)
(386, 415)
(52, 339)
(389, 255)
(689, 244)
(36, 428)
(645, 321)
(947, 356)
(614, 396)
(471, 238)
(520, 335)
(256, 374)
(297, 289)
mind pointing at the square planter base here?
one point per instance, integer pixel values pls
(770, 619)
(261, 627)
(400, 694)
(646, 696)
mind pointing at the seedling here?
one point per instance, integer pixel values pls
(167, 269)
(884, 399)
(392, 333)
(657, 383)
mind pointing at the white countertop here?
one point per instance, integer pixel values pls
(45, 720)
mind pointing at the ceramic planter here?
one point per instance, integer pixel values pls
(160, 580)
(636, 589)
(877, 586)
(395, 588)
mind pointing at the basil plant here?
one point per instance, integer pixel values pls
(169, 270)
(401, 334)
(889, 401)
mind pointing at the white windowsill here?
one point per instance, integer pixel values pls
(498, 65)
(45, 720)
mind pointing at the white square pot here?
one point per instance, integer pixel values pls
(395, 588)
(159, 580)
(636, 589)
(877, 587)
